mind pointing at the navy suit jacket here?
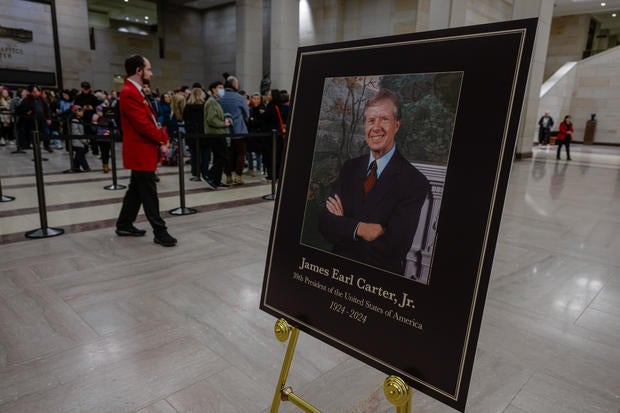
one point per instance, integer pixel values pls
(394, 202)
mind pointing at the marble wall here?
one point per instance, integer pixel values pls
(37, 54)
(284, 42)
(327, 21)
(487, 11)
(590, 86)
(597, 90)
(567, 41)
(219, 39)
(197, 46)
(556, 96)
(184, 53)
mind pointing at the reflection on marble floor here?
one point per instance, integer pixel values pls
(90, 322)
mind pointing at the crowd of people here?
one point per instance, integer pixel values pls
(71, 119)
(85, 120)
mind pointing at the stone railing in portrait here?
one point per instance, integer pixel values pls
(421, 254)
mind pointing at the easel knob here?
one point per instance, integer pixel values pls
(282, 330)
(398, 393)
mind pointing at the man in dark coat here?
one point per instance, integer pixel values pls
(374, 209)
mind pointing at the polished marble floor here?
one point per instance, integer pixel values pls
(90, 322)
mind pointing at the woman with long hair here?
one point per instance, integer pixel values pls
(194, 118)
(176, 128)
(6, 117)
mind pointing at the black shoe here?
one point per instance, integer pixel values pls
(569, 159)
(164, 239)
(209, 182)
(156, 178)
(222, 185)
(130, 232)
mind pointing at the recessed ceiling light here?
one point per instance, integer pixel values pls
(146, 17)
(613, 14)
(603, 4)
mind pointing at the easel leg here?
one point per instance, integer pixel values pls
(398, 393)
(282, 331)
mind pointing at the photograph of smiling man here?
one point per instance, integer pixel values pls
(374, 193)
(374, 208)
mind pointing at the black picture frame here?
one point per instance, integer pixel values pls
(429, 341)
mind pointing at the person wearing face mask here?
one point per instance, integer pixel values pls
(143, 138)
(373, 211)
(215, 123)
(565, 135)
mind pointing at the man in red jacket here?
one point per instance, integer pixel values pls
(142, 139)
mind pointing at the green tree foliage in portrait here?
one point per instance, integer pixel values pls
(429, 107)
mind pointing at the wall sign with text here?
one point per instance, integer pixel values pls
(396, 165)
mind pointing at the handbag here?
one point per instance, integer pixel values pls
(282, 124)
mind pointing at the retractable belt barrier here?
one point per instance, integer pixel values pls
(112, 138)
(69, 141)
(44, 231)
(274, 135)
(182, 210)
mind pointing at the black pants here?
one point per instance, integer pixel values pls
(565, 142)
(7, 132)
(23, 136)
(218, 146)
(544, 135)
(142, 191)
(79, 159)
(104, 147)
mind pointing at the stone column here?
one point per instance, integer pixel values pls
(249, 44)
(528, 126)
(440, 14)
(284, 42)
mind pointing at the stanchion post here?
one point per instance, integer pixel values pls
(198, 159)
(69, 142)
(36, 130)
(272, 195)
(182, 210)
(44, 231)
(16, 136)
(114, 185)
(5, 198)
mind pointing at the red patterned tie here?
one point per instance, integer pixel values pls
(371, 179)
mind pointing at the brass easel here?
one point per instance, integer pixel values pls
(395, 389)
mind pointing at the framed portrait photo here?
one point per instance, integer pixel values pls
(395, 170)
